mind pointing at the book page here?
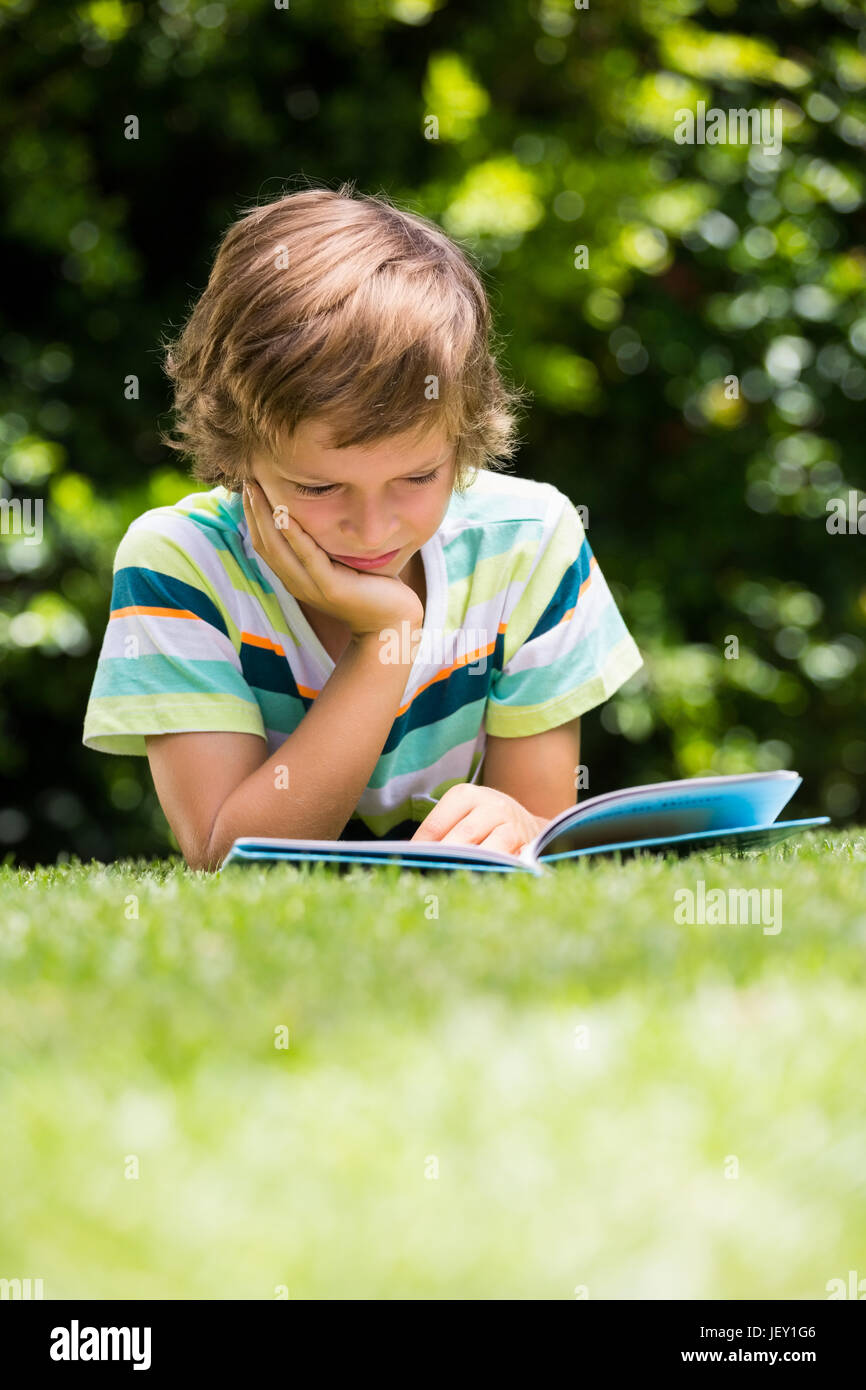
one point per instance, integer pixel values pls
(348, 851)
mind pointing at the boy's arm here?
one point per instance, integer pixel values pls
(538, 770)
(215, 787)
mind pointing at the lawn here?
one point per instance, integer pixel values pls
(493, 1087)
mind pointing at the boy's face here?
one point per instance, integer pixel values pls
(364, 502)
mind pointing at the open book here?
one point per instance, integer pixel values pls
(733, 812)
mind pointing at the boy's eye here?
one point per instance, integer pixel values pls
(320, 491)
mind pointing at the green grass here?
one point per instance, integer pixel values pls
(411, 1036)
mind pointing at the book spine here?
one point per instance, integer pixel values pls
(526, 855)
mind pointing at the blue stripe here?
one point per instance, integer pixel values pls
(266, 670)
(568, 671)
(281, 713)
(134, 587)
(471, 548)
(270, 676)
(566, 595)
(462, 688)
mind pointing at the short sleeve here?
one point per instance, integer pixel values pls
(169, 661)
(567, 648)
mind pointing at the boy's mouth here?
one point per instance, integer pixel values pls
(366, 562)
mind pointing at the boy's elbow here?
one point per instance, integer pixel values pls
(211, 854)
(204, 854)
(200, 860)
(202, 863)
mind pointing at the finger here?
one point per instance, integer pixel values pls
(423, 831)
(505, 837)
(304, 549)
(432, 829)
(290, 551)
(437, 822)
(263, 513)
(251, 520)
(452, 807)
(472, 828)
(315, 563)
(437, 829)
(262, 524)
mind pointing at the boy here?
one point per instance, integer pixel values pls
(361, 630)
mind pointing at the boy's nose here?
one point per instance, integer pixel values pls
(373, 538)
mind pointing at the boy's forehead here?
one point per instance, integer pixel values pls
(314, 440)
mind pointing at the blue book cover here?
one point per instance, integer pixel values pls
(734, 812)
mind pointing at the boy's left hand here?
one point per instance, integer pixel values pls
(471, 815)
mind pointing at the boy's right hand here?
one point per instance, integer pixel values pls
(365, 602)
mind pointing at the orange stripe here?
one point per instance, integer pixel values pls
(252, 640)
(468, 660)
(593, 564)
(584, 586)
(442, 675)
(472, 657)
(152, 612)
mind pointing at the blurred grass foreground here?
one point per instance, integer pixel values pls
(285, 1083)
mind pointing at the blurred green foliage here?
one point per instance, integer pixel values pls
(698, 370)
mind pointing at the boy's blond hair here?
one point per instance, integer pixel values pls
(339, 307)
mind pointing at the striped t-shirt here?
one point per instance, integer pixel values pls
(520, 634)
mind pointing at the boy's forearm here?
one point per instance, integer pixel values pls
(308, 789)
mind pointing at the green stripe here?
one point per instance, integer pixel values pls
(419, 748)
(210, 504)
(443, 787)
(576, 666)
(382, 823)
(107, 721)
(143, 549)
(154, 674)
(414, 807)
(482, 505)
(489, 578)
(562, 550)
(492, 540)
(281, 712)
(517, 721)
